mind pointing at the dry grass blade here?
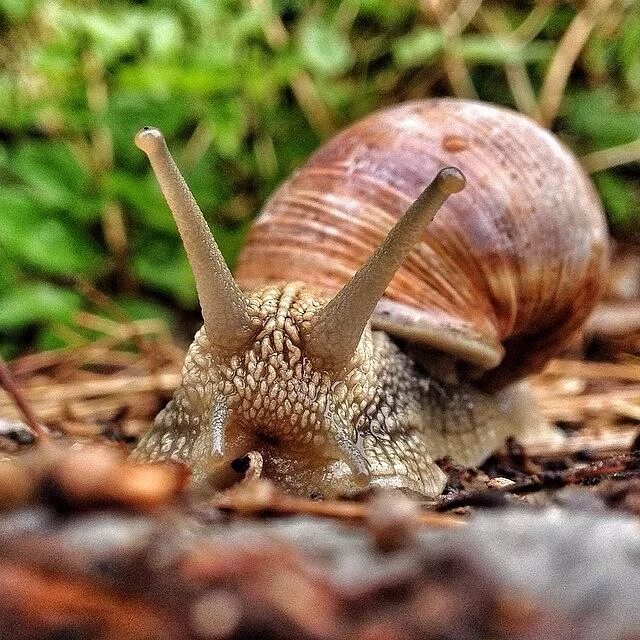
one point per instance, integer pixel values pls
(84, 386)
(9, 385)
(535, 21)
(516, 72)
(594, 370)
(599, 442)
(577, 391)
(615, 318)
(105, 387)
(576, 408)
(612, 157)
(567, 52)
(281, 504)
(452, 24)
(311, 103)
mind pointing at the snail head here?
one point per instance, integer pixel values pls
(280, 369)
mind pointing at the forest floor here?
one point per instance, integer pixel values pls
(93, 546)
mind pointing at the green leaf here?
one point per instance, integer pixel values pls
(143, 197)
(161, 264)
(419, 47)
(620, 198)
(629, 51)
(324, 49)
(230, 240)
(261, 80)
(249, 24)
(145, 309)
(169, 77)
(54, 245)
(165, 35)
(490, 50)
(48, 171)
(53, 178)
(51, 337)
(228, 123)
(9, 275)
(388, 14)
(558, 22)
(213, 75)
(131, 109)
(111, 33)
(597, 53)
(9, 348)
(37, 303)
(16, 10)
(7, 99)
(598, 115)
(424, 45)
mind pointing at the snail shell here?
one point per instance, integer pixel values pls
(505, 274)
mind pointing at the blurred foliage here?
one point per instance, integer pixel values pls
(244, 91)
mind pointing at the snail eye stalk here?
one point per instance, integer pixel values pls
(224, 307)
(338, 326)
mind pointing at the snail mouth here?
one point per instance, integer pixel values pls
(321, 454)
(299, 465)
(267, 440)
(314, 472)
(311, 477)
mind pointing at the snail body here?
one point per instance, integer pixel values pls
(343, 381)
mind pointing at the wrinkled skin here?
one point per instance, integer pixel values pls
(380, 421)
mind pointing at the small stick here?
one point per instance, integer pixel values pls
(604, 442)
(291, 505)
(452, 26)
(535, 22)
(516, 71)
(105, 387)
(545, 480)
(9, 384)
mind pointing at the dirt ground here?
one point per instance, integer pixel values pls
(541, 541)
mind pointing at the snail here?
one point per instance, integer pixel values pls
(356, 344)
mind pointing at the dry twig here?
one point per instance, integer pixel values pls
(281, 504)
(9, 385)
(612, 157)
(545, 480)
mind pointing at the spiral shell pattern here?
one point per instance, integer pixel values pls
(505, 274)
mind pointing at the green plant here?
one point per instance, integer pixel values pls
(244, 92)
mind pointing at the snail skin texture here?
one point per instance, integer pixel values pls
(356, 344)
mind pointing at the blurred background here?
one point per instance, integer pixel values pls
(245, 91)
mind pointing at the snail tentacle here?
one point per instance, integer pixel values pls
(224, 307)
(338, 327)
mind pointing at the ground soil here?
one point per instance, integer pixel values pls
(540, 541)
